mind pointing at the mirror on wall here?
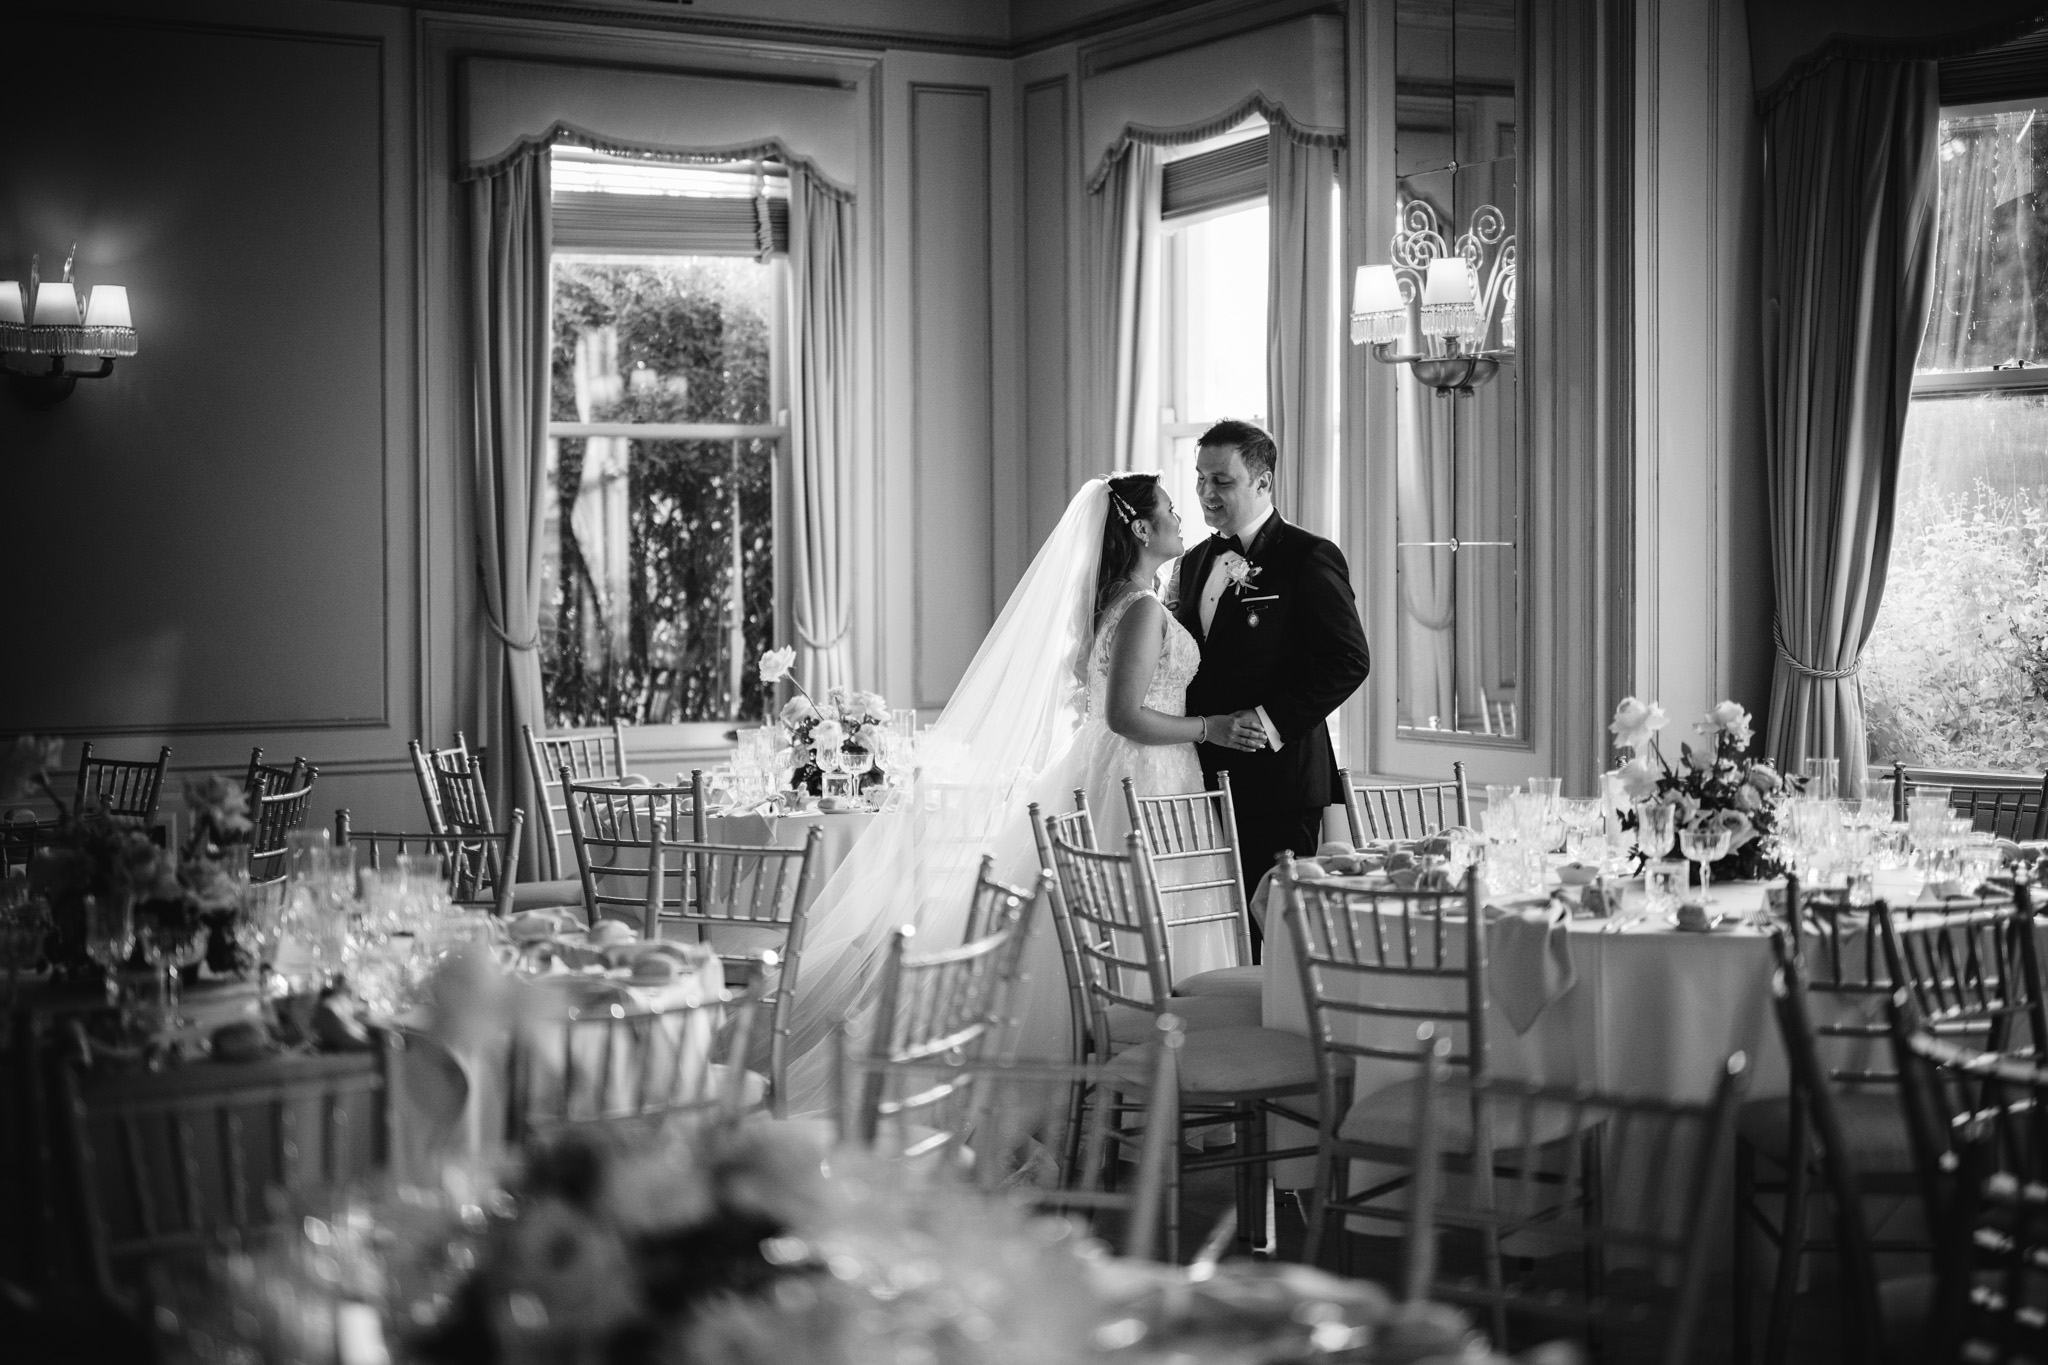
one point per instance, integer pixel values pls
(1460, 486)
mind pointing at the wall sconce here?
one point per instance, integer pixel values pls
(1433, 310)
(45, 324)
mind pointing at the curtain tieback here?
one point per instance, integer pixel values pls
(1832, 674)
(526, 646)
(809, 641)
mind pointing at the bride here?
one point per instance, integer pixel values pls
(1081, 683)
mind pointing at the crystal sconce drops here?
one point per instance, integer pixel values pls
(1435, 309)
(45, 323)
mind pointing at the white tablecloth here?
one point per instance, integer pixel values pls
(1654, 1011)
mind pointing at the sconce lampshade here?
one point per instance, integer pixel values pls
(1448, 298)
(54, 328)
(1378, 312)
(109, 328)
(13, 317)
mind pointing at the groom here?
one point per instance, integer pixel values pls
(1282, 648)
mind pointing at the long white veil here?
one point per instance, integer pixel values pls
(998, 745)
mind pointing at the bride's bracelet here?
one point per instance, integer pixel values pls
(1205, 731)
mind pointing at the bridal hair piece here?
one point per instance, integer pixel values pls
(1124, 509)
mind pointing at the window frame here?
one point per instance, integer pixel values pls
(680, 740)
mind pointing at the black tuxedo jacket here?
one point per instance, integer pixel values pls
(1290, 641)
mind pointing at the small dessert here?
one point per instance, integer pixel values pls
(1692, 915)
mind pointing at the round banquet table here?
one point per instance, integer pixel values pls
(1652, 1010)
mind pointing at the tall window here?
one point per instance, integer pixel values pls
(1956, 672)
(666, 439)
(1213, 318)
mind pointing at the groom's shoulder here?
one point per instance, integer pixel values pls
(1298, 542)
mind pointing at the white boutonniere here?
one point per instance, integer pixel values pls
(1243, 574)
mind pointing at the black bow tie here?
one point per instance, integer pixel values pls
(1224, 543)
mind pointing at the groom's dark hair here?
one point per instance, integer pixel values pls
(1257, 448)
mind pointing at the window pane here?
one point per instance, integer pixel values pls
(675, 339)
(1991, 254)
(660, 564)
(1216, 352)
(1956, 673)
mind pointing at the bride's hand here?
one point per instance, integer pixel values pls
(1241, 732)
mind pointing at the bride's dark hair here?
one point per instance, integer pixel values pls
(1133, 499)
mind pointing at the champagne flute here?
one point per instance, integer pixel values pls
(109, 938)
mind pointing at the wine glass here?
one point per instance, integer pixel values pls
(1823, 778)
(163, 944)
(1704, 842)
(109, 938)
(1656, 828)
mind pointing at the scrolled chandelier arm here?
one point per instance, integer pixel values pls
(49, 321)
(1432, 307)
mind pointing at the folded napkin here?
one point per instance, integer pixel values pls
(1529, 958)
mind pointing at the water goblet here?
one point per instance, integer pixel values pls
(110, 938)
(163, 945)
(1823, 778)
(1656, 828)
(1705, 843)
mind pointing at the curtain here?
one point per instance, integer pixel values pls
(509, 377)
(1301, 329)
(1123, 285)
(1849, 199)
(821, 424)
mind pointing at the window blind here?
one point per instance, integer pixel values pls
(670, 224)
(1235, 174)
(2017, 70)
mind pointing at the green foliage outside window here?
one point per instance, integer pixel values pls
(639, 625)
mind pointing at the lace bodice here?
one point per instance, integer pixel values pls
(1179, 658)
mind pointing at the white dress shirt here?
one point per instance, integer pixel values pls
(1212, 593)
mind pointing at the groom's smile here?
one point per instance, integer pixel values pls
(1231, 495)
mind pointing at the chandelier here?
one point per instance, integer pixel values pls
(1435, 309)
(48, 321)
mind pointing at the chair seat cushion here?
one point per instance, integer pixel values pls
(1129, 1025)
(1386, 1118)
(1240, 1062)
(1248, 982)
(547, 895)
(1873, 1126)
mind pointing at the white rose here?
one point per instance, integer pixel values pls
(1727, 718)
(798, 710)
(776, 663)
(1636, 723)
(828, 736)
(1638, 779)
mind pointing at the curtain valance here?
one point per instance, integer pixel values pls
(509, 106)
(1292, 73)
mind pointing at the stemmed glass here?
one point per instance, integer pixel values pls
(109, 938)
(163, 944)
(1656, 827)
(1705, 844)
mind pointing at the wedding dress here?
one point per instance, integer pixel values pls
(1027, 723)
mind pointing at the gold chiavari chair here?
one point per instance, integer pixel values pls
(272, 819)
(1404, 810)
(268, 779)
(1374, 960)
(1199, 830)
(458, 801)
(170, 1161)
(606, 1061)
(586, 755)
(2011, 808)
(1231, 1073)
(611, 828)
(128, 788)
(479, 866)
(980, 1117)
(1664, 1163)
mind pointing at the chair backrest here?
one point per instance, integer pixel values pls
(586, 754)
(452, 786)
(480, 866)
(987, 1119)
(1404, 810)
(764, 891)
(268, 779)
(129, 788)
(954, 1002)
(1973, 971)
(1119, 937)
(1197, 830)
(612, 828)
(172, 1160)
(1079, 1020)
(611, 1063)
(2013, 808)
(271, 819)
(1353, 944)
(1663, 1162)
(1839, 949)
(1979, 1128)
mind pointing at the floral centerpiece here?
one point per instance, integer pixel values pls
(846, 722)
(177, 895)
(1717, 784)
